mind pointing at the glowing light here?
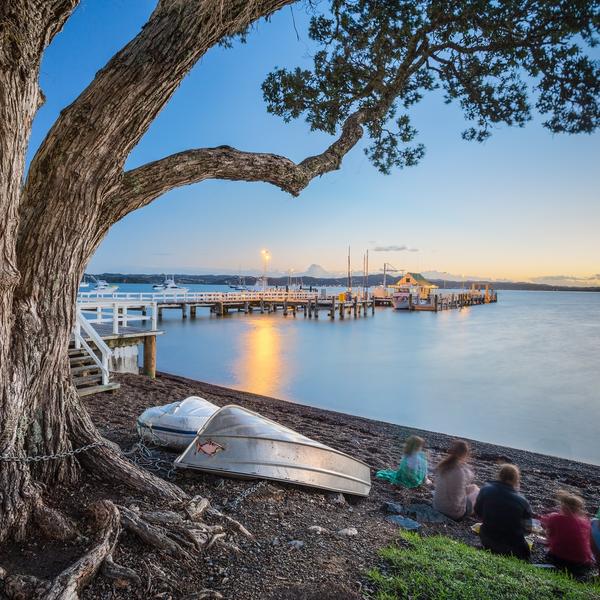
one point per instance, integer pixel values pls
(260, 366)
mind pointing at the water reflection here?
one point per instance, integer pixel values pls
(259, 365)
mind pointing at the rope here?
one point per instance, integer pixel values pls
(143, 455)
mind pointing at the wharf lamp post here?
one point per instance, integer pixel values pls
(266, 258)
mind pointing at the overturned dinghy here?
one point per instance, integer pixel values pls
(238, 442)
(175, 425)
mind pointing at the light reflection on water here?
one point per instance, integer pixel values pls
(259, 364)
(522, 373)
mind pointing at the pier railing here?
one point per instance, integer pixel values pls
(196, 297)
(116, 311)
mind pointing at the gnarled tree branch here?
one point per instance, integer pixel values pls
(142, 185)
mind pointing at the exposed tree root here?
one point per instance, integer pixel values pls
(181, 534)
(52, 523)
(71, 581)
(108, 462)
(119, 573)
(23, 587)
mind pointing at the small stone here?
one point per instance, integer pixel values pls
(403, 522)
(275, 541)
(318, 530)
(393, 508)
(296, 544)
(427, 514)
(337, 498)
(348, 532)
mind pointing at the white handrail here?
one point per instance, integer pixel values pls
(116, 312)
(82, 323)
(98, 298)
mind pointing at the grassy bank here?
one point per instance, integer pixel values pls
(439, 568)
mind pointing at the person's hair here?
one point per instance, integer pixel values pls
(459, 450)
(509, 474)
(413, 444)
(571, 503)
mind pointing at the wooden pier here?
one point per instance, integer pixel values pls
(309, 304)
(106, 340)
(449, 301)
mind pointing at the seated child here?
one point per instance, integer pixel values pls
(455, 493)
(412, 470)
(506, 515)
(568, 533)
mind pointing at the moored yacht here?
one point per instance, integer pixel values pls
(103, 287)
(169, 286)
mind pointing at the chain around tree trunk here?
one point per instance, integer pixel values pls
(45, 457)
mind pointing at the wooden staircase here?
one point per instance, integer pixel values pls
(89, 360)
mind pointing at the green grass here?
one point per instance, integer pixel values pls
(438, 568)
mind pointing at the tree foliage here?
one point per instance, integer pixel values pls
(497, 59)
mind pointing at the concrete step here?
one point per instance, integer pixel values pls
(96, 389)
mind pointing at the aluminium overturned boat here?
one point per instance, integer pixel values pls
(175, 425)
(241, 443)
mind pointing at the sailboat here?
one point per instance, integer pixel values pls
(240, 286)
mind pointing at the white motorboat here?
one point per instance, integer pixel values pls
(168, 286)
(241, 443)
(240, 286)
(175, 425)
(103, 287)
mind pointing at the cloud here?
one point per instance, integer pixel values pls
(394, 248)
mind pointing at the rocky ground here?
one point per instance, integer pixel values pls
(307, 543)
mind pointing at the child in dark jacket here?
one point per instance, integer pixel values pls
(568, 533)
(506, 515)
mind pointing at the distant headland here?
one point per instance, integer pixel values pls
(308, 281)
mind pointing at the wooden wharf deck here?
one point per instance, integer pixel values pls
(104, 339)
(310, 304)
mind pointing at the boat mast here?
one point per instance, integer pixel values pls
(367, 270)
(349, 273)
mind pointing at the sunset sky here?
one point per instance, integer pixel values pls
(524, 205)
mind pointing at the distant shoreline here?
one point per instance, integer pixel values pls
(374, 280)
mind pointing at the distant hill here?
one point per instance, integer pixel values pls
(316, 281)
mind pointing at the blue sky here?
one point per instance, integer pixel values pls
(525, 204)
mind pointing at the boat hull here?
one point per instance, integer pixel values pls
(279, 454)
(175, 425)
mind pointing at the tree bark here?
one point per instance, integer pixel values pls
(53, 220)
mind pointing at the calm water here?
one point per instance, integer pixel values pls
(524, 372)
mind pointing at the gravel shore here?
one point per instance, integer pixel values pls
(300, 549)
(288, 559)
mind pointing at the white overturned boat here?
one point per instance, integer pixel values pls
(175, 425)
(238, 442)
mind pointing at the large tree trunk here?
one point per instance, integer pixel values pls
(52, 222)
